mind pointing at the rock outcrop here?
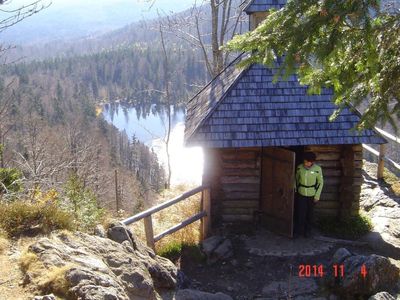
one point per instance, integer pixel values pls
(363, 275)
(100, 268)
(383, 207)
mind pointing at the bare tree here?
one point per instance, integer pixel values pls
(167, 80)
(13, 16)
(226, 18)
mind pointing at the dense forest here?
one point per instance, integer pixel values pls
(132, 74)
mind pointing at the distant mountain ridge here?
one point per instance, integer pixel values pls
(67, 20)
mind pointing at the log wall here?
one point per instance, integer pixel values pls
(342, 170)
(234, 178)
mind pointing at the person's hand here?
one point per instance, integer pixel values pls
(315, 200)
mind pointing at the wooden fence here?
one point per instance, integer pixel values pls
(203, 215)
(381, 154)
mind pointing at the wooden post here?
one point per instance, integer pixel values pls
(117, 205)
(206, 220)
(148, 228)
(381, 161)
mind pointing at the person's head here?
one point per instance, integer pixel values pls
(309, 159)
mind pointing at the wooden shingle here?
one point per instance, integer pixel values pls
(246, 108)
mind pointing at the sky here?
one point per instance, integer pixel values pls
(76, 18)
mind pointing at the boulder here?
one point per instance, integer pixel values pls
(100, 268)
(382, 296)
(217, 248)
(379, 274)
(189, 294)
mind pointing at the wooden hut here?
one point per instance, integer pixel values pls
(254, 132)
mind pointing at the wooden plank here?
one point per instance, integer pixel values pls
(388, 135)
(241, 187)
(237, 211)
(241, 203)
(161, 206)
(239, 179)
(327, 205)
(241, 195)
(242, 164)
(319, 148)
(381, 162)
(332, 172)
(328, 156)
(148, 228)
(240, 172)
(242, 155)
(237, 218)
(206, 220)
(180, 226)
(329, 196)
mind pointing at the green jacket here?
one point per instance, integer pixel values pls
(309, 182)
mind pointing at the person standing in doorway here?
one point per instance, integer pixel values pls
(308, 187)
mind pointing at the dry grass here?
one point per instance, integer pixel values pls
(22, 217)
(47, 280)
(393, 181)
(4, 243)
(171, 216)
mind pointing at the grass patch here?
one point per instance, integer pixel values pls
(22, 217)
(352, 227)
(46, 280)
(176, 250)
(392, 180)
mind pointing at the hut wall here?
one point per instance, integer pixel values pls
(235, 184)
(342, 170)
(234, 177)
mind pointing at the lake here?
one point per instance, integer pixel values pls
(149, 126)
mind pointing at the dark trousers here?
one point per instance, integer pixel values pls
(303, 211)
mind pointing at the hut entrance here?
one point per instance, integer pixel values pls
(277, 193)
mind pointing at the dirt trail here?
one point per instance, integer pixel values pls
(11, 276)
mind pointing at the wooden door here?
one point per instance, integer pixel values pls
(277, 193)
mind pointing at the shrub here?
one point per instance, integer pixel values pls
(82, 203)
(352, 227)
(21, 217)
(10, 180)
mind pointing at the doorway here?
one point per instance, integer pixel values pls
(277, 193)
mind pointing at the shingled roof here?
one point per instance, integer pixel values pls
(263, 5)
(245, 108)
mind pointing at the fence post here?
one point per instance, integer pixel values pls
(206, 220)
(381, 161)
(148, 228)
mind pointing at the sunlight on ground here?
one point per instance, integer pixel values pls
(186, 163)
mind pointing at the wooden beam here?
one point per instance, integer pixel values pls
(148, 228)
(161, 206)
(381, 161)
(180, 226)
(388, 135)
(206, 220)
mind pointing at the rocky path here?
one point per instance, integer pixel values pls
(383, 207)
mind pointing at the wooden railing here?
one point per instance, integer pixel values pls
(203, 215)
(381, 154)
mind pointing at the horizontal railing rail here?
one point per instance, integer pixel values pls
(203, 215)
(381, 154)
